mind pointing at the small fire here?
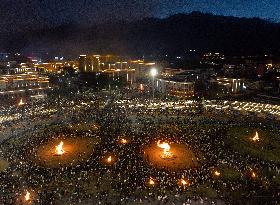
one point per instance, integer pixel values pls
(217, 173)
(183, 182)
(256, 137)
(20, 102)
(141, 88)
(27, 196)
(151, 181)
(124, 141)
(59, 149)
(166, 149)
(109, 159)
(253, 175)
(95, 127)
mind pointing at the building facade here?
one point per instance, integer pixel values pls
(21, 84)
(175, 88)
(233, 85)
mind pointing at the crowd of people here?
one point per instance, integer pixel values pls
(126, 179)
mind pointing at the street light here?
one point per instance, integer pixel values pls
(153, 74)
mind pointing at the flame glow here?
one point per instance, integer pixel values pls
(109, 159)
(20, 102)
(217, 173)
(253, 175)
(166, 149)
(59, 149)
(123, 141)
(151, 181)
(183, 182)
(27, 196)
(256, 137)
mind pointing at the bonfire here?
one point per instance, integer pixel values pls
(256, 137)
(166, 150)
(59, 149)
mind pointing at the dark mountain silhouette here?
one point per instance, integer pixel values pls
(152, 36)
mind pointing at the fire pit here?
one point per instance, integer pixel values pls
(256, 137)
(65, 152)
(166, 150)
(109, 159)
(170, 156)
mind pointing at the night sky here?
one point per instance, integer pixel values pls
(18, 15)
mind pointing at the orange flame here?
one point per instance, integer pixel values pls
(183, 182)
(256, 137)
(141, 87)
(123, 141)
(253, 175)
(27, 196)
(166, 149)
(109, 159)
(59, 149)
(217, 173)
(151, 181)
(20, 102)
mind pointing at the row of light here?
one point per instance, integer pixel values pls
(246, 106)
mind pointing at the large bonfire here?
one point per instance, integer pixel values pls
(166, 150)
(59, 149)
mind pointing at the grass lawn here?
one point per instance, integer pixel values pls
(228, 174)
(267, 148)
(203, 190)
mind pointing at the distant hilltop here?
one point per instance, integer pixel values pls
(153, 36)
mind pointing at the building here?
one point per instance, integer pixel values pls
(116, 66)
(98, 63)
(23, 84)
(142, 69)
(83, 64)
(233, 85)
(175, 88)
(55, 66)
(213, 59)
(170, 72)
(177, 82)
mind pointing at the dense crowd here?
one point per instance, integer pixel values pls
(126, 180)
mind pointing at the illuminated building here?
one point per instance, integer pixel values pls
(175, 88)
(142, 69)
(22, 84)
(56, 66)
(83, 64)
(177, 82)
(170, 72)
(213, 58)
(97, 63)
(116, 67)
(233, 85)
(108, 63)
